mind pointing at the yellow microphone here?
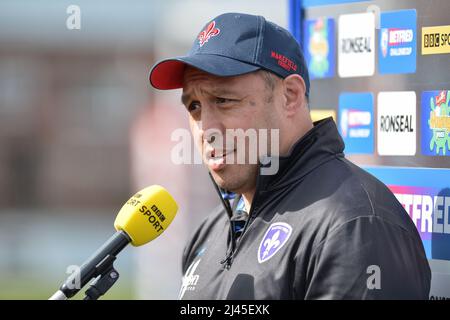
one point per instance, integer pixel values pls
(146, 215)
(141, 219)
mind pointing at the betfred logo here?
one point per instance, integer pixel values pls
(356, 122)
(356, 45)
(400, 36)
(396, 125)
(428, 208)
(392, 38)
(353, 123)
(425, 196)
(398, 50)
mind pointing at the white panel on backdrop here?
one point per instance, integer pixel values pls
(396, 125)
(356, 45)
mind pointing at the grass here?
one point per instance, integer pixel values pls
(30, 288)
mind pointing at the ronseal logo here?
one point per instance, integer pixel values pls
(356, 122)
(396, 125)
(356, 45)
(397, 52)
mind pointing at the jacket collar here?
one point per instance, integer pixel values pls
(318, 145)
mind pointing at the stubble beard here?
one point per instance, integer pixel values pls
(238, 178)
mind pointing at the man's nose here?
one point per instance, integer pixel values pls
(212, 128)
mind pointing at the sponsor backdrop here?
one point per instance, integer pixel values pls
(381, 69)
(356, 122)
(397, 41)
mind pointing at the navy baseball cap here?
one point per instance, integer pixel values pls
(233, 44)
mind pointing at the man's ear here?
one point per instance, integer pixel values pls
(294, 93)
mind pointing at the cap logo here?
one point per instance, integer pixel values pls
(210, 31)
(283, 61)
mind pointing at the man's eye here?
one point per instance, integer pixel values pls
(223, 100)
(195, 105)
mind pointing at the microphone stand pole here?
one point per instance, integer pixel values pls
(107, 276)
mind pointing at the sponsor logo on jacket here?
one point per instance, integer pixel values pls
(190, 279)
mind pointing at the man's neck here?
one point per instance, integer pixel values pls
(248, 198)
(307, 125)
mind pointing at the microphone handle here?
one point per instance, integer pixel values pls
(89, 269)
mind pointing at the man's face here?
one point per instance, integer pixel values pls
(216, 104)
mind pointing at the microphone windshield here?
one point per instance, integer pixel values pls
(146, 214)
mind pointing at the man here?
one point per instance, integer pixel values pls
(317, 227)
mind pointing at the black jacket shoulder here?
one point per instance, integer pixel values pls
(204, 233)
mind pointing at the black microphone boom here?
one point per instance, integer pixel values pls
(99, 263)
(140, 220)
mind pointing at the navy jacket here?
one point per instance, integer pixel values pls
(321, 228)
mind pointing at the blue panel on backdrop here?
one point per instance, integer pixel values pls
(356, 122)
(435, 123)
(425, 195)
(398, 39)
(312, 3)
(319, 47)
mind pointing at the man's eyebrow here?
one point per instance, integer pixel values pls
(222, 91)
(185, 97)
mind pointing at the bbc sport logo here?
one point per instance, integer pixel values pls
(435, 123)
(320, 52)
(436, 40)
(356, 122)
(398, 44)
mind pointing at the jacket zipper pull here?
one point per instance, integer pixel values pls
(227, 261)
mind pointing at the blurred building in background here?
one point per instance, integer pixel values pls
(81, 130)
